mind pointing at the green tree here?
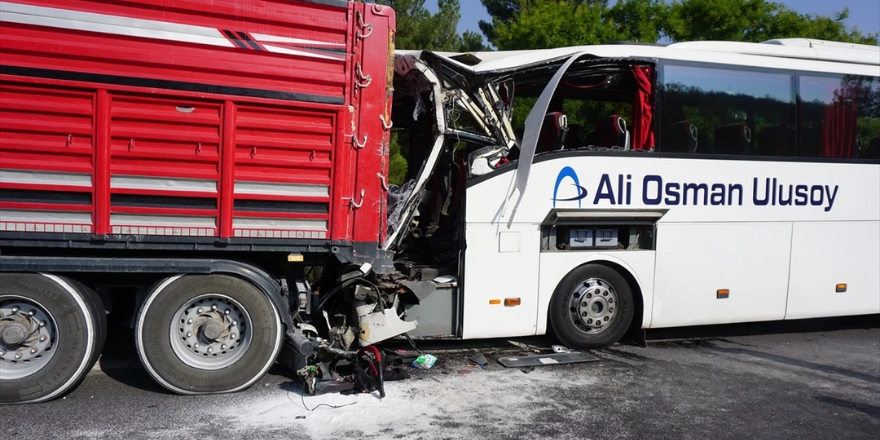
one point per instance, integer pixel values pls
(654, 20)
(503, 11)
(418, 28)
(753, 20)
(471, 42)
(637, 20)
(547, 24)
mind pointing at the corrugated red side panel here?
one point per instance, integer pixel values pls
(37, 124)
(282, 171)
(192, 118)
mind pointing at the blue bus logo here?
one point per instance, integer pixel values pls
(569, 172)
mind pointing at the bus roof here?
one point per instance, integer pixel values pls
(789, 53)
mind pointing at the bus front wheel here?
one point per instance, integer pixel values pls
(592, 307)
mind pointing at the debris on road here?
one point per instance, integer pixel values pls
(561, 349)
(479, 360)
(424, 362)
(549, 359)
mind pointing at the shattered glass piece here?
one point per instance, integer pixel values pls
(419, 108)
(397, 196)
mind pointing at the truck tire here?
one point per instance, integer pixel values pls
(52, 330)
(592, 307)
(206, 334)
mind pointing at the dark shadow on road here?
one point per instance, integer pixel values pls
(765, 328)
(708, 345)
(120, 362)
(870, 410)
(527, 343)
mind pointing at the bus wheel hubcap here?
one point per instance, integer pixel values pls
(593, 305)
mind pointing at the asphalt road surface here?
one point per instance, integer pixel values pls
(810, 380)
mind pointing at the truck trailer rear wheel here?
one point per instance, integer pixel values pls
(592, 307)
(51, 332)
(203, 334)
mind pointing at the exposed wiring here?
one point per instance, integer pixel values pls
(324, 404)
(344, 284)
(303, 398)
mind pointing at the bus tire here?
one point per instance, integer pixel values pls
(207, 334)
(592, 307)
(52, 330)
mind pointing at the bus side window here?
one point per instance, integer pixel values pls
(839, 116)
(726, 111)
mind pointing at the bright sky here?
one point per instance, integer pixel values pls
(863, 14)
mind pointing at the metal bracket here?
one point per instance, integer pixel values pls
(362, 25)
(253, 151)
(69, 140)
(131, 144)
(384, 183)
(388, 124)
(199, 148)
(359, 204)
(362, 81)
(359, 145)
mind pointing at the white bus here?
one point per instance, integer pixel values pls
(662, 186)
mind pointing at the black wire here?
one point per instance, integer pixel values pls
(380, 302)
(347, 283)
(333, 291)
(303, 398)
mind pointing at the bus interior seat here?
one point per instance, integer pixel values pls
(553, 132)
(680, 137)
(775, 140)
(733, 139)
(610, 132)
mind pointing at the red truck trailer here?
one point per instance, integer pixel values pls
(203, 151)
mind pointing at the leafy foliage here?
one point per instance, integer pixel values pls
(753, 20)
(554, 24)
(532, 24)
(418, 28)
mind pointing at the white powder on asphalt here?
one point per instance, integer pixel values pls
(435, 405)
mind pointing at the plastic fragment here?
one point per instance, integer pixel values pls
(424, 362)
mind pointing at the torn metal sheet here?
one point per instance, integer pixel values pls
(534, 122)
(377, 326)
(409, 207)
(547, 359)
(421, 289)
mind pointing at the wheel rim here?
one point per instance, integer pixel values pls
(593, 305)
(27, 337)
(210, 332)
